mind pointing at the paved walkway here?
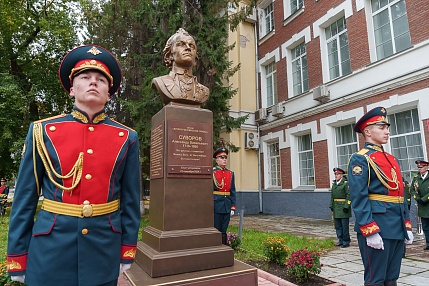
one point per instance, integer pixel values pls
(341, 265)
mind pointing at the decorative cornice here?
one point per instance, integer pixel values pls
(370, 91)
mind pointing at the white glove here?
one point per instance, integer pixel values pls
(123, 267)
(375, 241)
(19, 278)
(410, 236)
(232, 212)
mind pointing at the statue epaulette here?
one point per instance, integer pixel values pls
(363, 151)
(50, 118)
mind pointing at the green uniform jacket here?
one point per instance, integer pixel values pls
(341, 193)
(420, 190)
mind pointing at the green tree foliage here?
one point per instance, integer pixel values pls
(34, 36)
(137, 30)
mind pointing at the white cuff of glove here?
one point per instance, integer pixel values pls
(124, 267)
(232, 212)
(410, 237)
(375, 241)
(19, 278)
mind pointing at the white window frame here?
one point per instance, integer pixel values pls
(337, 38)
(345, 9)
(301, 71)
(407, 173)
(300, 168)
(271, 81)
(262, 6)
(287, 47)
(339, 145)
(273, 56)
(371, 31)
(277, 176)
(287, 8)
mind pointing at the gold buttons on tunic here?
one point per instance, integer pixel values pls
(121, 134)
(52, 128)
(84, 231)
(90, 128)
(90, 151)
(88, 176)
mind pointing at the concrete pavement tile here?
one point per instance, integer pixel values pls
(333, 272)
(414, 263)
(413, 281)
(351, 266)
(330, 260)
(406, 270)
(354, 279)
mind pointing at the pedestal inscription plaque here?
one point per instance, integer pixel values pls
(189, 149)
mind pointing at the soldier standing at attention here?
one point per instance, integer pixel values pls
(4, 189)
(223, 192)
(377, 195)
(87, 166)
(420, 192)
(340, 207)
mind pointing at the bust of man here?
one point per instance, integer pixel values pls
(180, 86)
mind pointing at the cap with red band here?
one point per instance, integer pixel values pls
(372, 117)
(90, 57)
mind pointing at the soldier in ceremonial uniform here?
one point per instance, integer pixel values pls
(87, 166)
(340, 207)
(223, 192)
(4, 189)
(377, 194)
(420, 192)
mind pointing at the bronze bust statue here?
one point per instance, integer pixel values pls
(180, 85)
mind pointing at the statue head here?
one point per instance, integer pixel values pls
(180, 50)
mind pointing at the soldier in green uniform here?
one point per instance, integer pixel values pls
(420, 191)
(340, 207)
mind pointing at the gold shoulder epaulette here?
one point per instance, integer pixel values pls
(122, 124)
(363, 151)
(50, 118)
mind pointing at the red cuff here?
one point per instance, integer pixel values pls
(128, 252)
(16, 263)
(233, 208)
(408, 225)
(369, 229)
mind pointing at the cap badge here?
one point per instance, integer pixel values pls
(94, 51)
(383, 110)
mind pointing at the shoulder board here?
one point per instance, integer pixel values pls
(122, 124)
(345, 181)
(50, 118)
(415, 176)
(363, 151)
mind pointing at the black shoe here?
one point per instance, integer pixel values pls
(426, 248)
(345, 245)
(338, 244)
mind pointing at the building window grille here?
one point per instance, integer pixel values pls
(269, 18)
(299, 69)
(274, 165)
(295, 5)
(271, 81)
(306, 162)
(406, 141)
(346, 144)
(391, 30)
(338, 49)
